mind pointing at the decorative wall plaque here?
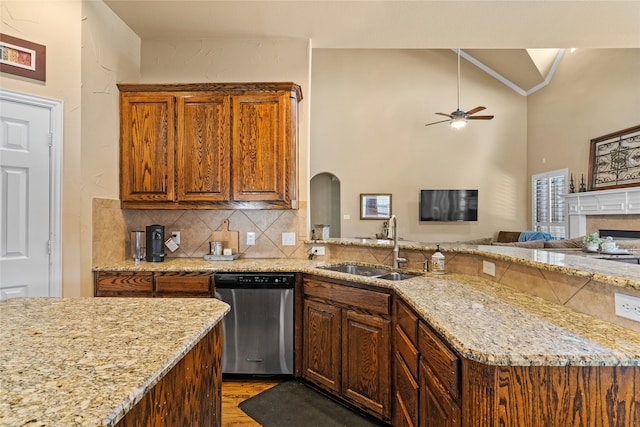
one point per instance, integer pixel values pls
(614, 160)
(22, 58)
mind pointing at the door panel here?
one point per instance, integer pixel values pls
(147, 137)
(203, 149)
(365, 364)
(24, 200)
(259, 147)
(321, 347)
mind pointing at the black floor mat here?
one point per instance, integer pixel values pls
(293, 404)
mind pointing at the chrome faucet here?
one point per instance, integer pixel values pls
(393, 225)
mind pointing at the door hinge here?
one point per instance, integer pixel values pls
(49, 246)
(50, 139)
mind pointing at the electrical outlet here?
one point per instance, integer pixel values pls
(251, 238)
(627, 306)
(175, 236)
(317, 250)
(289, 239)
(489, 268)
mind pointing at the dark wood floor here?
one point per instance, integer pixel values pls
(236, 391)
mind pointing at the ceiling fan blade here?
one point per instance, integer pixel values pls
(480, 117)
(476, 110)
(443, 114)
(435, 123)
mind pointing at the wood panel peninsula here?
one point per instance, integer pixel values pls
(463, 349)
(110, 361)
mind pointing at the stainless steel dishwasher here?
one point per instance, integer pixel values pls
(258, 331)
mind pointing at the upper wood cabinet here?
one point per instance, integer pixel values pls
(213, 145)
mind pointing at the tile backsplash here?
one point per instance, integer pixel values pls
(112, 227)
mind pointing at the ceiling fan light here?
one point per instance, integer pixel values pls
(458, 122)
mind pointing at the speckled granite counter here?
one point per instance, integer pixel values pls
(605, 271)
(483, 320)
(87, 361)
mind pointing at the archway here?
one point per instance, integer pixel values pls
(324, 198)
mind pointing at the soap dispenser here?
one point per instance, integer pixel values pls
(437, 261)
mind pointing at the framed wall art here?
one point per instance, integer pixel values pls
(22, 58)
(614, 160)
(375, 206)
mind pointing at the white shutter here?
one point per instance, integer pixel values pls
(549, 213)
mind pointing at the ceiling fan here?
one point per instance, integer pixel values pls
(458, 119)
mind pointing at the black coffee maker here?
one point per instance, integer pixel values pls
(155, 243)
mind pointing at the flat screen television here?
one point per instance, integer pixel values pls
(449, 205)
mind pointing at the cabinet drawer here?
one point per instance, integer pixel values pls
(443, 362)
(408, 321)
(407, 351)
(406, 411)
(182, 284)
(123, 283)
(372, 301)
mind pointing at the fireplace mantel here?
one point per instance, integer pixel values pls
(618, 201)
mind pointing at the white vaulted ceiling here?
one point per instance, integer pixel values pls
(516, 41)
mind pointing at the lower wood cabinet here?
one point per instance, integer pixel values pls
(346, 342)
(426, 374)
(449, 390)
(405, 366)
(153, 284)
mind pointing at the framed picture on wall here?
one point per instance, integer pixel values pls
(22, 58)
(375, 206)
(614, 160)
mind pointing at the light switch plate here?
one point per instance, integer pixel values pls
(289, 239)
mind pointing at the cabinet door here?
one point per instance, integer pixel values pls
(437, 407)
(147, 123)
(181, 284)
(366, 345)
(261, 147)
(321, 348)
(203, 147)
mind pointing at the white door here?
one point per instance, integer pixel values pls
(25, 204)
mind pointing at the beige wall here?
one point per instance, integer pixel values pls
(593, 93)
(370, 108)
(110, 54)
(57, 25)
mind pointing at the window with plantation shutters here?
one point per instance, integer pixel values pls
(549, 213)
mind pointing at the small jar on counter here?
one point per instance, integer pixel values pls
(437, 261)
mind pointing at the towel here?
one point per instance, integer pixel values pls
(526, 236)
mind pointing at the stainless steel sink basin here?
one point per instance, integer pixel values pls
(397, 276)
(363, 270)
(360, 270)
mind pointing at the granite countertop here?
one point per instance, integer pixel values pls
(493, 324)
(87, 361)
(481, 319)
(532, 331)
(574, 263)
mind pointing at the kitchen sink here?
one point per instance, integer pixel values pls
(363, 270)
(396, 276)
(360, 270)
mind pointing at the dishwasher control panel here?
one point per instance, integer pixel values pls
(254, 280)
